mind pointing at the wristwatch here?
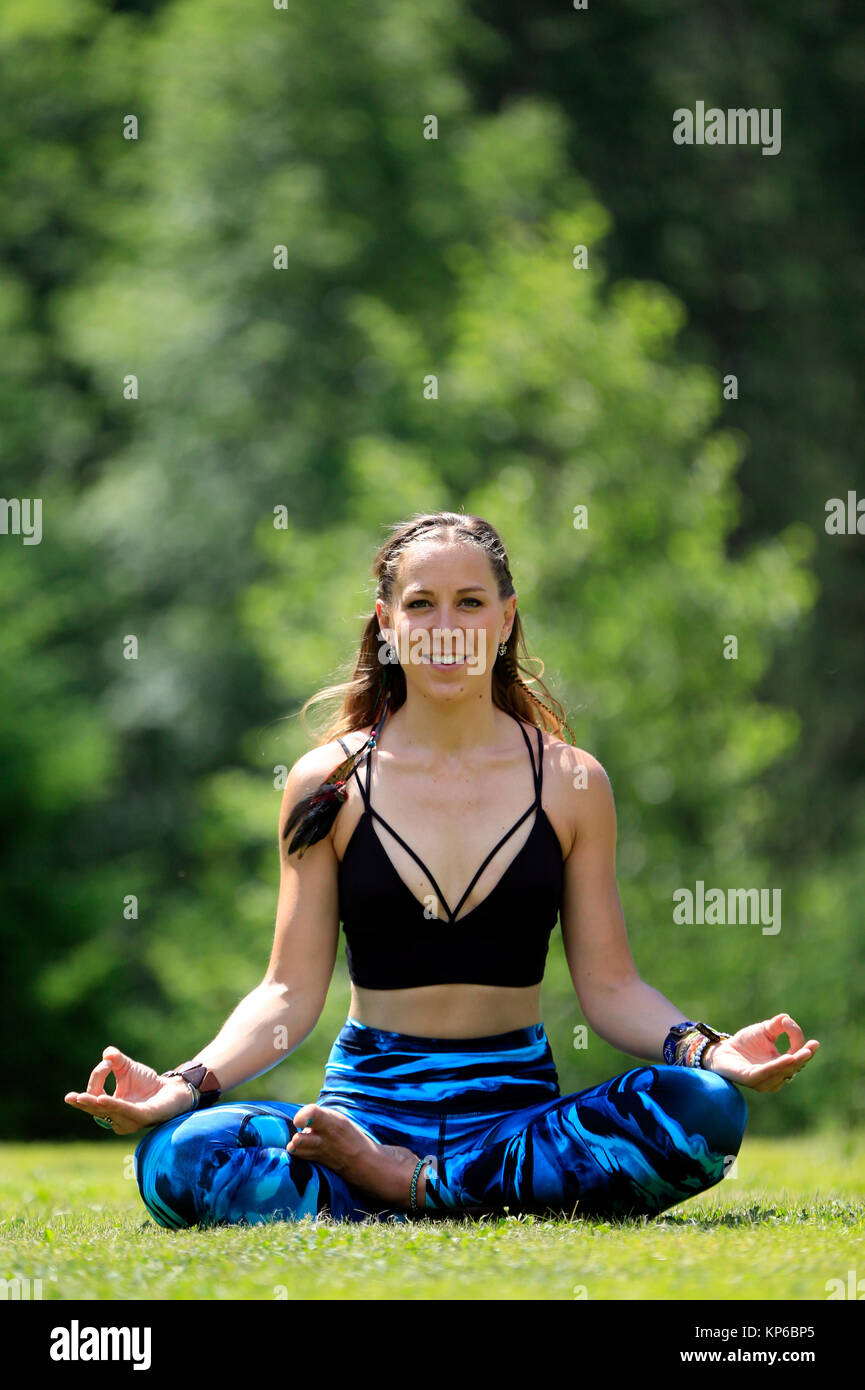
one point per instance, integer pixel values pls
(202, 1082)
(676, 1034)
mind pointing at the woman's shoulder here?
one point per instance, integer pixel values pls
(569, 767)
(313, 768)
(353, 740)
(321, 761)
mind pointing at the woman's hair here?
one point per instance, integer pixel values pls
(374, 682)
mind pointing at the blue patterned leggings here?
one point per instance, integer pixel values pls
(487, 1110)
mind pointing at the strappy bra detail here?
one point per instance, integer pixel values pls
(396, 941)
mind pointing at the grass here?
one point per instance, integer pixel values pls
(791, 1218)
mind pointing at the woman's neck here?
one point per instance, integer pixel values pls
(451, 726)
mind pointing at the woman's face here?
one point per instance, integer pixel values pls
(446, 618)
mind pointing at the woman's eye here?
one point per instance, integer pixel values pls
(415, 601)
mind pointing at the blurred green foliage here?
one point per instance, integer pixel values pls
(302, 388)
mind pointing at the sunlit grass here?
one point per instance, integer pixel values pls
(792, 1219)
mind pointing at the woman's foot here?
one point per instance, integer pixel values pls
(336, 1141)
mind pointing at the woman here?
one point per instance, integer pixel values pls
(440, 1094)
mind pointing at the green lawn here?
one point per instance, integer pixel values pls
(791, 1218)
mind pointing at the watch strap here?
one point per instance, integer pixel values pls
(203, 1083)
(674, 1037)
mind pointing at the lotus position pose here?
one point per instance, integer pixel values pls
(448, 827)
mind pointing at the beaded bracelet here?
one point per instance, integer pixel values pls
(417, 1173)
(692, 1049)
(687, 1050)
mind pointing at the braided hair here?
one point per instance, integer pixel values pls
(377, 687)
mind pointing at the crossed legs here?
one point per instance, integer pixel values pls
(636, 1144)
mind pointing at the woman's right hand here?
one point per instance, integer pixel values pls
(141, 1097)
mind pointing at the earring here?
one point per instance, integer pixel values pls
(503, 648)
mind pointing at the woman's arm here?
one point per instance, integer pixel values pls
(618, 1005)
(275, 1017)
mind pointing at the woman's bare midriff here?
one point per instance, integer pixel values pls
(455, 1010)
(447, 1011)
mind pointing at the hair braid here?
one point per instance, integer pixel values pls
(557, 719)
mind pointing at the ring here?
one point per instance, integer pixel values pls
(106, 1124)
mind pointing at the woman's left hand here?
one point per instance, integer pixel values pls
(750, 1057)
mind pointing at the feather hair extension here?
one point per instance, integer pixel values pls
(316, 812)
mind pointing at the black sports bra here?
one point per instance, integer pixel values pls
(395, 941)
